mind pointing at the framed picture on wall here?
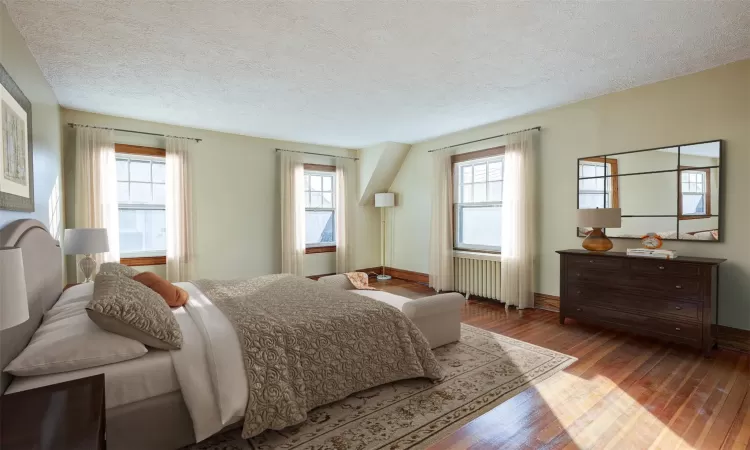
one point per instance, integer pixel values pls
(16, 161)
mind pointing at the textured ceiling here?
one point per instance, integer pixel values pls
(355, 73)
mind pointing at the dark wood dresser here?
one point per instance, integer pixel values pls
(672, 299)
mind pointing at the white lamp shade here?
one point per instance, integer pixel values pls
(14, 304)
(86, 241)
(600, 218)
(385, 200)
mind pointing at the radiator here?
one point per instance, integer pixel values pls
(476, 274)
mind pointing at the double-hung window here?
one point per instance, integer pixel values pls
(695, 193)
(597, 183)
(320, 208)
(141, 193)
(478, 200)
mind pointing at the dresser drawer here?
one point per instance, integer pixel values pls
(664, 268)
(595, 262)
(687, 288)
(581, 294)
(649, 325)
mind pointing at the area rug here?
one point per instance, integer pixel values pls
(482, 370)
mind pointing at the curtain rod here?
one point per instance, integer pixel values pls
(483, 139)
(73, 125)
(318, 154)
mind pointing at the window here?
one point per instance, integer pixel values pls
(320, 208)
(601, 192)
(478, 205)
(695, 194)
(141, 193)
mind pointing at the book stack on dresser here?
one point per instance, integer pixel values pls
(670, 299)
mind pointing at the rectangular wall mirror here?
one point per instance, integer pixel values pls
(673, 191)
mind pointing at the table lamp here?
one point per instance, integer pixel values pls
(596, 240)
(384, 200)
(86, 241)
(14, 303)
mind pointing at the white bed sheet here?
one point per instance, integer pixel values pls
(125, 382)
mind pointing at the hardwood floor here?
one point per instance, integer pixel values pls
(624, 392)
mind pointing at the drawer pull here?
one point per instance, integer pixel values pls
(661, 267)
(679, 286)
(578, 292)
(578, 274)
(591, 261)
(678, 329)
(678, 307)
(579, 309)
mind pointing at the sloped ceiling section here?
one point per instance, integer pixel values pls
(378, 167)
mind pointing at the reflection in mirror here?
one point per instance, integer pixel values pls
(594, 190)
(637, 227)
(647, 161)
(698, 192)
(700, 229)
(700, 155)
(647, 194)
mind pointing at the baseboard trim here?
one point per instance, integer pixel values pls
(547, 302)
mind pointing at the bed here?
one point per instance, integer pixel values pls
(169, 399)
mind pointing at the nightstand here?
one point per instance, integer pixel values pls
(69, 415)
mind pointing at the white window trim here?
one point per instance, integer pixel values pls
(702, 194)
(608, 180)
(320, 208)
(457, 205)
(141, 206)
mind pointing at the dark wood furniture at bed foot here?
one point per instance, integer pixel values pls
(61, 416)
(674, 299)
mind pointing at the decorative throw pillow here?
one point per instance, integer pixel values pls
(173, 295)
(126, 307)
(112, 268)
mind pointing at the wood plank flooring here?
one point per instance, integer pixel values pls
(624, 392)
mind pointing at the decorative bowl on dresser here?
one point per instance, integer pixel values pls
(670, 299)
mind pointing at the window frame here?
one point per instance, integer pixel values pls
(151, 152)
(321, 169)
(613, 177)
(457, 160)
(706, 192)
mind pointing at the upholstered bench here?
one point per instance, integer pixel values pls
(437, 316)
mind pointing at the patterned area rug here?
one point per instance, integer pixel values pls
(482, 370)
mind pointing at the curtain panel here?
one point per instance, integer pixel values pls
(291, 174)
(179, 213)
(346, 186)
(518, 220)
(96, 188)
(441, 225)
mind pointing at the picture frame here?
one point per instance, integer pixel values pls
(16, 149)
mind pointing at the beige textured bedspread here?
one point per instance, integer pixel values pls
(306, 344)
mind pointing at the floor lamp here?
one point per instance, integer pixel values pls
(384, 200)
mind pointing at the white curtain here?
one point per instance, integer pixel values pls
(441, 228)
(179, 210)
(292, 213)
(518, 222)
(346, 186)
(96, 188)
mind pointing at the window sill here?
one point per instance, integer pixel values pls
(144, 261)
(693, 217)
(477, 254)
(326, 249)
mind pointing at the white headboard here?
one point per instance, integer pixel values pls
(42, 262)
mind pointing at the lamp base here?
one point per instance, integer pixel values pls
(87, 266)
(384, 277)
(597, 241)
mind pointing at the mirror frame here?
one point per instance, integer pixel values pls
(677, 169)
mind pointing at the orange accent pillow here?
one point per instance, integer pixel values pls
(173, 295)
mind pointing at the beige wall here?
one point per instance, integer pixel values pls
(235, 197)
(714, 104)
(46, 134)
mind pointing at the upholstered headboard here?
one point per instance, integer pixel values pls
(42, 262)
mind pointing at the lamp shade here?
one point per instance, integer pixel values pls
(86, 241)
(600, 218)
(14, 304)
(385, 200)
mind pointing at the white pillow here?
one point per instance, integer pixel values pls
(68, 340)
